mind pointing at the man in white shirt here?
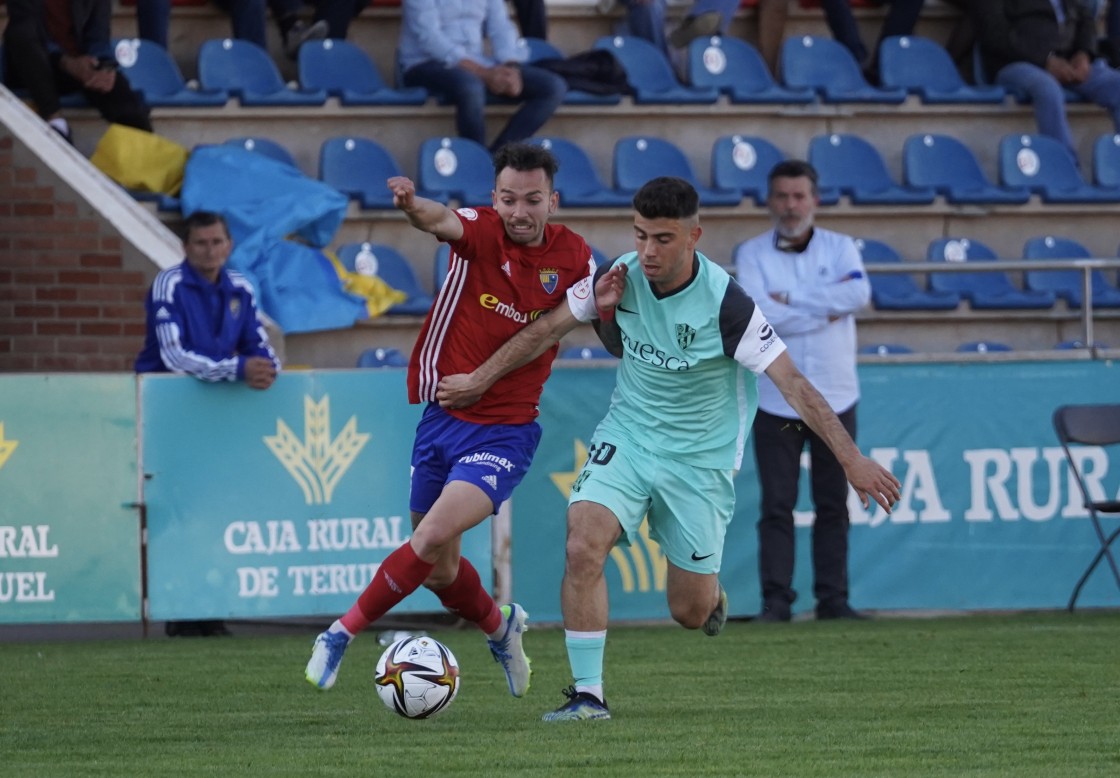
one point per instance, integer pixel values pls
(808, 282)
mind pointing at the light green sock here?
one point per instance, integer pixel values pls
(585, 655)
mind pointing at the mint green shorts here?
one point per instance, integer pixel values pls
(688, 507)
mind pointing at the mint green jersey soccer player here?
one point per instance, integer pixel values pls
(674, 435)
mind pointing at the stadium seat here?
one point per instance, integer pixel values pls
(744, 162)
(854, 167)
(382, 357)
(1072, 345)
(459, 168)
(825, 66)
(1067, 284)
(923, 67)
(985, 290)
(898, 291)
(1106, 161)
(152, 72)
(585, 352)
(577, 181)
(649, 73)
(247, 71)
(982, 347)
(359, 167)
(600, 258)
(266, 147)
(385, 262)
(542, 50)
(952, 170)
(885, 349)
(639, 159)
(1043, 165)
(441, 266)
(735, 68)
(345, 71)
(1099, 426)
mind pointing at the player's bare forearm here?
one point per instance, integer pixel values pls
(459, 391)
(424, 214)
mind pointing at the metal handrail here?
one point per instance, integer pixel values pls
(1086, 266)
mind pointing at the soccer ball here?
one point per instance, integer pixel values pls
(417, 677)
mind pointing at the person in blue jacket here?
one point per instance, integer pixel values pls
(203, 321)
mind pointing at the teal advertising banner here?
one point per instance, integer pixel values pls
(989, 518)
(282, 502)
(69, 524)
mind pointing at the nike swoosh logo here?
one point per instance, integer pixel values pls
(626, 310)
(699, 558)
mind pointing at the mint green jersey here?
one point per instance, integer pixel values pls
(686, 386)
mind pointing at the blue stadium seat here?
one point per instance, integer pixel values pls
(985, 290)
(637, 159)
(885, 349)
(541, 50)
(382, 357)
(923, 67)
(359, 167)
(152, 72)
(442, 265)
(744, 162)
(585, 352)
(982, 347)
(600, 258)
(266, 147)
(825, 66)
(1043, 165)
(1106, 161)
(459, 168)
(1067, 284)
(897, 291)
(577, 181)
(854, 167)
(649, 73)
(949, 167)
(1070, 345)
(344, 71)
(247, 71)
(735, 68)
(388, 264)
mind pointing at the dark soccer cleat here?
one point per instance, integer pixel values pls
(580, 706)
(718, 617)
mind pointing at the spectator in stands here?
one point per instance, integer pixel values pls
(443, 48)
(808, 282)
(203, 321)
(54, 47)
(1041, 46)
(900, 20)
(532, 18)
(646, 19)
(247, 18)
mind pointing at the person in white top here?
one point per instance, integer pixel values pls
(808, 282)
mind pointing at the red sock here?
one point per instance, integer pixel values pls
(399, 575)
(466, 597)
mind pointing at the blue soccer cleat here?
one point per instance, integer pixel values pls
(326, 656)
(580, 706)
(509, 652)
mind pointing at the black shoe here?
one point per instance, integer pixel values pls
(839, 611)
(695, 27)
(215, 629)
(300, 33)
(773, 613)
(184, 629)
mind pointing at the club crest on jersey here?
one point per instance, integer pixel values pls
(234, 307)
(550, 277)
(685, 335)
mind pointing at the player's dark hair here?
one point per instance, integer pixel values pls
(200, 219)
(667, 197)
(524, 157)
(794, 168)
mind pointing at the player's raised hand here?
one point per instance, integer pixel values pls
(610, 286)
(404, 192)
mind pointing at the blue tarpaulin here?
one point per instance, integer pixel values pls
(266, 201)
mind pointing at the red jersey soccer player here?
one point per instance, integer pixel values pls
(508, 265)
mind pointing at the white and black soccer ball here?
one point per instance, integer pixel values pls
(417, 677)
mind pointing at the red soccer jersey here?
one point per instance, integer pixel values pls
(494, 287)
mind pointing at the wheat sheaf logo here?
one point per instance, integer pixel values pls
(6, 446)
(317, 463)
(641, 566)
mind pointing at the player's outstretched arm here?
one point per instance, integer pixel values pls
(871, 480)
(422, 213)
(608, 294)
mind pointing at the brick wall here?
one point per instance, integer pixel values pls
(68, 302)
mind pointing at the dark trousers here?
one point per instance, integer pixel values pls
(28, 65)
(778, 444)
(901, 18)
(532, 19)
